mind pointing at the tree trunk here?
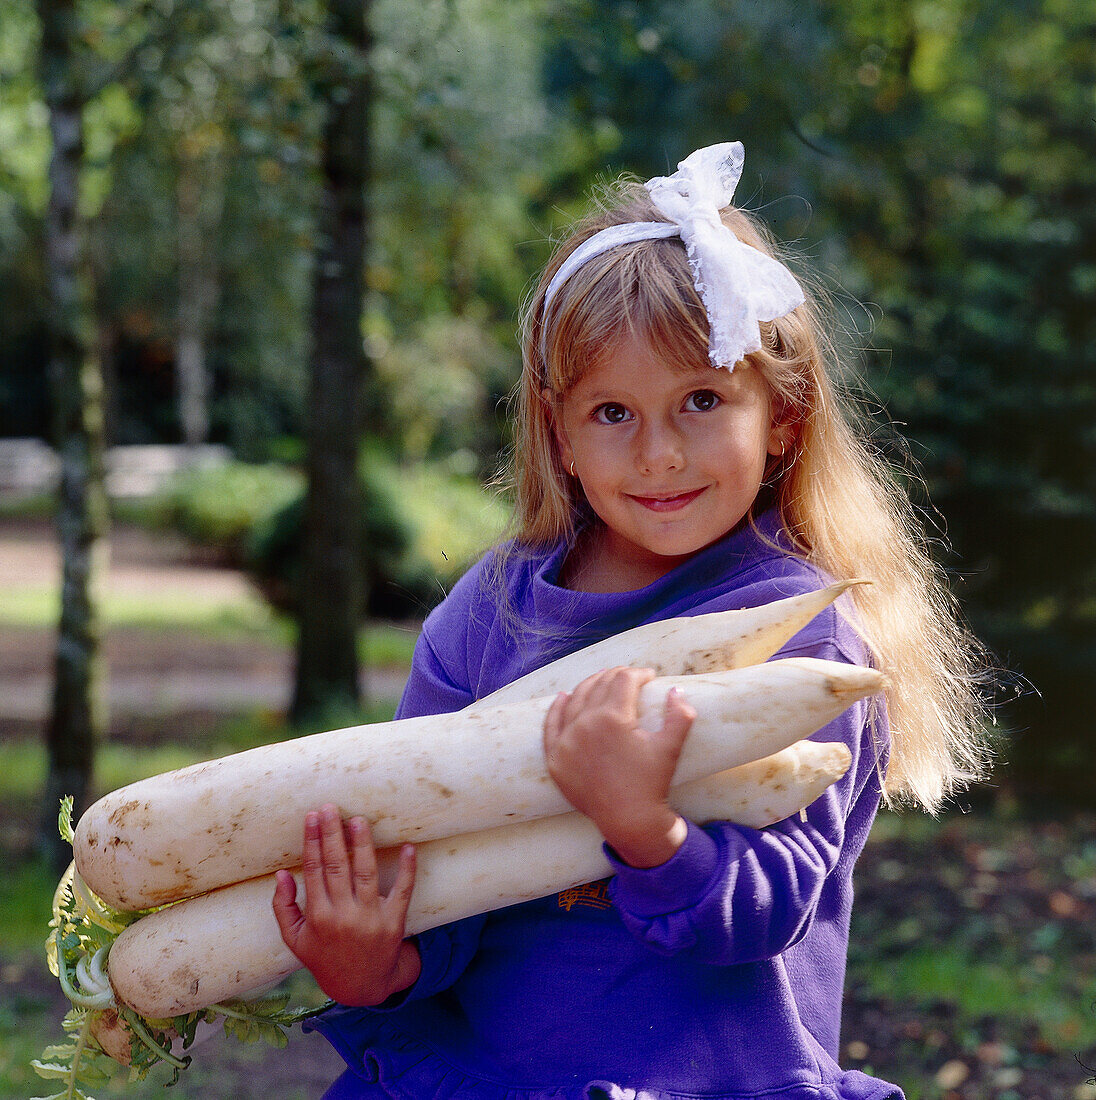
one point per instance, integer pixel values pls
(75, 378)
(331, 594)
(200, 201)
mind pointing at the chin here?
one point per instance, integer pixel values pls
(674, 553)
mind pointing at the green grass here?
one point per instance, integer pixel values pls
(26, 891)
(1010, 986)
(238, 615)
(23, 764)
(24, 1022)
(971, 935)
(244, 616)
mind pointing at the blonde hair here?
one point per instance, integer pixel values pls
(841, 504)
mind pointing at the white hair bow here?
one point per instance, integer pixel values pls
(738, 285)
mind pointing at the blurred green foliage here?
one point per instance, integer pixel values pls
(424, 524)
(219, 506)
(929, 158)
(273, 551)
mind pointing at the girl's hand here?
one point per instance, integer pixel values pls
(617, 773)
(350, 936)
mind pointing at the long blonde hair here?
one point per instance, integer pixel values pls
(842, 505)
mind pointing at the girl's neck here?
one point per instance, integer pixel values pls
(591, 566)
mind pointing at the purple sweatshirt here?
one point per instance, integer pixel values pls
(717, 974)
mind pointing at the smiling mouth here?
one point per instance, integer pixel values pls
(668, 503)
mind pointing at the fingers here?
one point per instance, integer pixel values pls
(614, 686)
(615, 689)
(325, 863)
(340, 861)
(312, 857)
(363, 858)
(334, 857)
(614, 692)
(399, 897)
(677, 717)
(553, 720)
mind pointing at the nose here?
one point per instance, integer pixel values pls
(661, 448)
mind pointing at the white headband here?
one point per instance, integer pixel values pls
(738, 285)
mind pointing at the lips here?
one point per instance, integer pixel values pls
(668, 502)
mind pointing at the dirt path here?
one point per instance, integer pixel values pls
(152, 674)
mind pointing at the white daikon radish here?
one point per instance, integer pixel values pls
(185, 832)
(226, 944)
(685, 646)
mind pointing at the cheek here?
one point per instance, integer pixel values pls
(740, 442)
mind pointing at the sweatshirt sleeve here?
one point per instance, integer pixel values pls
(732, 894)
(431, 688)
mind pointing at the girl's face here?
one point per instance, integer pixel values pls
(670, 459)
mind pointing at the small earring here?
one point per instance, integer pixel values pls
(572, 467)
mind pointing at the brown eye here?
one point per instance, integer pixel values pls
(702, 401)
(612, 413)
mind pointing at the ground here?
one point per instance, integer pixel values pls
(965, 936)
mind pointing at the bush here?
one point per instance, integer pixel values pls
(219, 506)
(272, 553)
(423, 526)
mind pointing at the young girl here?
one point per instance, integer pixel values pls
(681, 450)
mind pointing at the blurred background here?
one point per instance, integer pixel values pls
(260, 268)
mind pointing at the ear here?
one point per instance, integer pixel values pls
(780, 438)
(559, 435)
(783, 429)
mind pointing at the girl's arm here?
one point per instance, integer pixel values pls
(733, 894)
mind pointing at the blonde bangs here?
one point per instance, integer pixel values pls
(643, 291)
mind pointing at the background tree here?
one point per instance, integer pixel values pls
(465, 145)
(204, 243)
(76, 715)
(331, 599)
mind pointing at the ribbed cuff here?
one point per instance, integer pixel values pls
(677, 884)
(435, 953)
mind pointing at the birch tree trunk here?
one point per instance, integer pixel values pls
(75, 377)
(332, 584)
(199, 205)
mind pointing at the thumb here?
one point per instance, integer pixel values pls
(286, 910)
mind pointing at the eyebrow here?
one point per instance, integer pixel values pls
(690, 383)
